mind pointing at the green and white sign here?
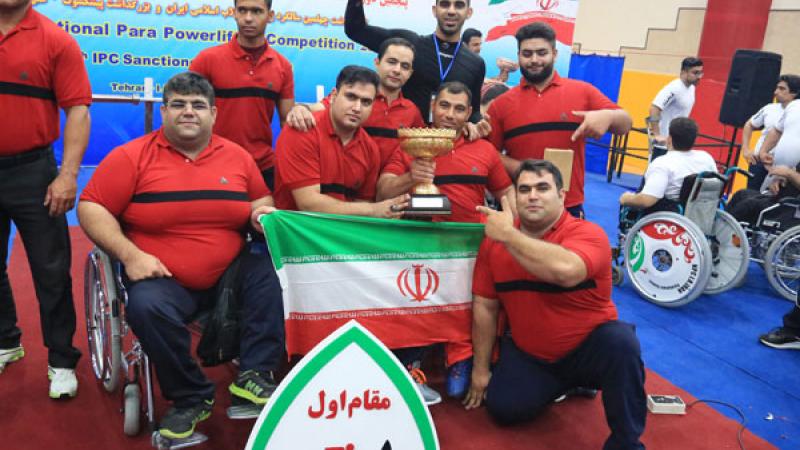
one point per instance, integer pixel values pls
(348, 393)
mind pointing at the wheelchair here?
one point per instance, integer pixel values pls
(117, 356)
(673, 257)
(775, 243)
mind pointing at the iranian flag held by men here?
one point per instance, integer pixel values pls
(408, 282)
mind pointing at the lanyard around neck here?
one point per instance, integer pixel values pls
(442, 71)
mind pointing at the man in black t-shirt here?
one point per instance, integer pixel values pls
(439, 57)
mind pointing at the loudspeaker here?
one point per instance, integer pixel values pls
(751, 84)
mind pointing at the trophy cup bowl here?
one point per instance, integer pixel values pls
(426, 143)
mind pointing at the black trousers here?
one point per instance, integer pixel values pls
(577, 211)
(747, 204)
(759, 174)
(22, 191)
(269, 178)
(608, 359)
(159, 309)
(791, 321)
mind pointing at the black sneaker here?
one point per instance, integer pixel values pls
(577, 391)
(253, 386)
(179, 423)
(781, 338)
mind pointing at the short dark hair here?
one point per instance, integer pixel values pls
(792, 81)
(538, 166)
(268, 2)
(470, 33)
(494, 91)
(683, 132)
(353, 74)
(690, 62)
(455, 87)
(536, 30)
(436, 2)
(403, 42)
(188, 83)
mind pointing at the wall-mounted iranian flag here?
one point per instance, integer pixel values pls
(408, 282)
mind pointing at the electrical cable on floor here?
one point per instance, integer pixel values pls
(732, 406)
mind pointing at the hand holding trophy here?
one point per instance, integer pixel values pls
(426, 143)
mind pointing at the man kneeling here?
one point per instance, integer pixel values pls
(173, 207)
(551, 273)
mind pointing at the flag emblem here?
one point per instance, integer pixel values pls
(418, 282)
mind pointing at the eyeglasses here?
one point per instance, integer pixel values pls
(180, 105)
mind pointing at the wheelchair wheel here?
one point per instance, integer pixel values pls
(617, 276)
(730, 254)
(103, 322)
(667, 259)
(132, 409)
(782, 263)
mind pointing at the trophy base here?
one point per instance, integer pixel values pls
(424, 205)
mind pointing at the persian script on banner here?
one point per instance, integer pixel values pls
(408, 282)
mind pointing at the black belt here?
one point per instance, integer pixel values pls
(28, 156)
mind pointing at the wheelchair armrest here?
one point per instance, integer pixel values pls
(710, 174)
(790, 201)
(735, 169)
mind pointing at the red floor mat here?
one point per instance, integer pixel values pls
(30, 420)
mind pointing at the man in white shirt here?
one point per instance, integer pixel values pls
(676, 99)
(782, 146)
(765, 119)
(665, 175)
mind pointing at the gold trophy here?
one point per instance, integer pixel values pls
(426, 143)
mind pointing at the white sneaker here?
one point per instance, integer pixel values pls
(9, 355)
(429, 396)
(62, 382)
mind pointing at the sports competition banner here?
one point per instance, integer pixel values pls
(126, 41)
(408, 282)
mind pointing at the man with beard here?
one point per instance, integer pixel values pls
(439, 56)
(41, 71)
(547, 111)
(250, 78)
(551, 273)
(676, 99)
(765, 119)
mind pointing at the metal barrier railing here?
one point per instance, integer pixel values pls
(618, 150)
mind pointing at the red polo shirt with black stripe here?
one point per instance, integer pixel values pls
(190, 214)
(246, 94)
(549, 321)
(384, 121)
(41, 69)
(525, 122)
(317, 156)
(463, 175)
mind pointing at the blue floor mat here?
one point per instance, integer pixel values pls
(710, 346)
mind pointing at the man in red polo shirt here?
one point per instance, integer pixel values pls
(390, 110)
(551, 273)
(333, 167)
(41, 70)
(547, 111)
(250, 79)
(463, 175)
(173, 206)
